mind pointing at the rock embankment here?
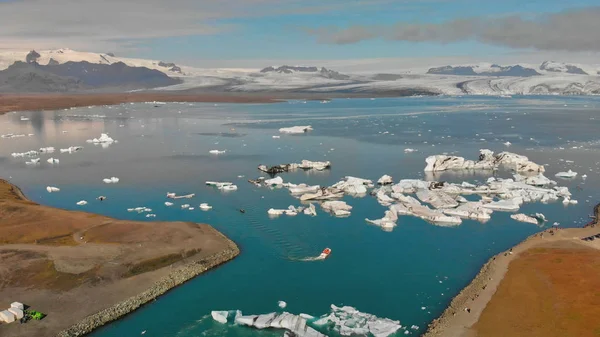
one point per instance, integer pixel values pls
(176, 278)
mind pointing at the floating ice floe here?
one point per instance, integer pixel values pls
(323, 194)
(140, 209)
(310, 210)
(409, 150)
(296, 129)
(487, 161)
(276, 137)
(471, 210)
(172, 195)
(524, 218)
(437, 199)
(82, 203)
(510, 205)
(302, 188)
(52, 189)
(348, 321)
(291, 211)
(11, 135)
(71, 149)
(150, 215)
(220, 316)
(537, 180)
(354, 186)
(168, 204)
(337, 208)
(104, 139)
(24, 154)
(277, 181)
(385, 180)
(281, 304)
(184, 206)
(47, 150)
(229, 188)
(296, 324)
(112, 180)
(34, 161)
(217, 151)
(569, 174)
(388, 222)
(507, 144)
(304, 164)
(53, 161)
(205, 207)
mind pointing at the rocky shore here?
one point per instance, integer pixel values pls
(466, 307)
(176, 278)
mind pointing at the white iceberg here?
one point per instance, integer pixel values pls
(53, 161)
(409, 150)
(323, 194)
(388, 222)
(437, 199)
(487, 161)
(24, 154)
(47, 150)
(229, 188)
(277, 181)
(82, 203)
(217, 151)
(205, 207)
(302, 188)
(316, 165)
(172, 195)
(348, 321)
(168, 204)
(509, 205)
(385, 180)
(281, 304)
(569, 174)
(34, 161)
(296, 129)
(310, 210)
(293, 323)
(471, 210)
(337, 208)
(524, 218)
(71, 149)
(354, 186)
(184, 206)
(52, 189)
(220, 316)
(112, 180)
(104, 139)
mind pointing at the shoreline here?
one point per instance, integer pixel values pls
(161, 287)
(125, 298)
(28, 102)
(455, 321)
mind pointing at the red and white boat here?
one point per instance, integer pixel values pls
(325, 253)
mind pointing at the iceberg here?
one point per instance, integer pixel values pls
(568, 175)
(509, 205)
(323, 194)
(296, 129)
(82, 203)
(104, 139)
(348, 321)
(24, 154)
(388, 222)
(437, 199)
(168, 204)
(538, 180)
(471, 210)
(524, 218)
(216, 151)
(385, 180)
(220, 316)
(317, 165)
(303, 189)
(71, 149)
(47, 150)
(52, 189)
(295, 324)
(487, 161)
(282, 304)
(338, 208)
(205, 207)
(53, 161)
(353, 186)
(277, 181)
(34, 161)
(310, 210)
(172, 195)
(112, 180)
(229, 188)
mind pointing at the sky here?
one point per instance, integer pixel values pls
(349, 33)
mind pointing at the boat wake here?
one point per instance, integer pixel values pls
(324, 254)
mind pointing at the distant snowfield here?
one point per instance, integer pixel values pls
(555, 77)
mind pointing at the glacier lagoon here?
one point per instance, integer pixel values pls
(409, 274)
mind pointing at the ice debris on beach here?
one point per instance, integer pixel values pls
(103, 139)
(487, 161)
(568, 175)
(296, 129)
(348, 321)
(52, 189)
(111, 180)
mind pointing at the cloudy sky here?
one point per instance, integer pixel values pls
(350, 32)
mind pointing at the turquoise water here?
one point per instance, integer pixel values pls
(389, 274)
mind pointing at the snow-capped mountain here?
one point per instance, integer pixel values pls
(473, 79)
